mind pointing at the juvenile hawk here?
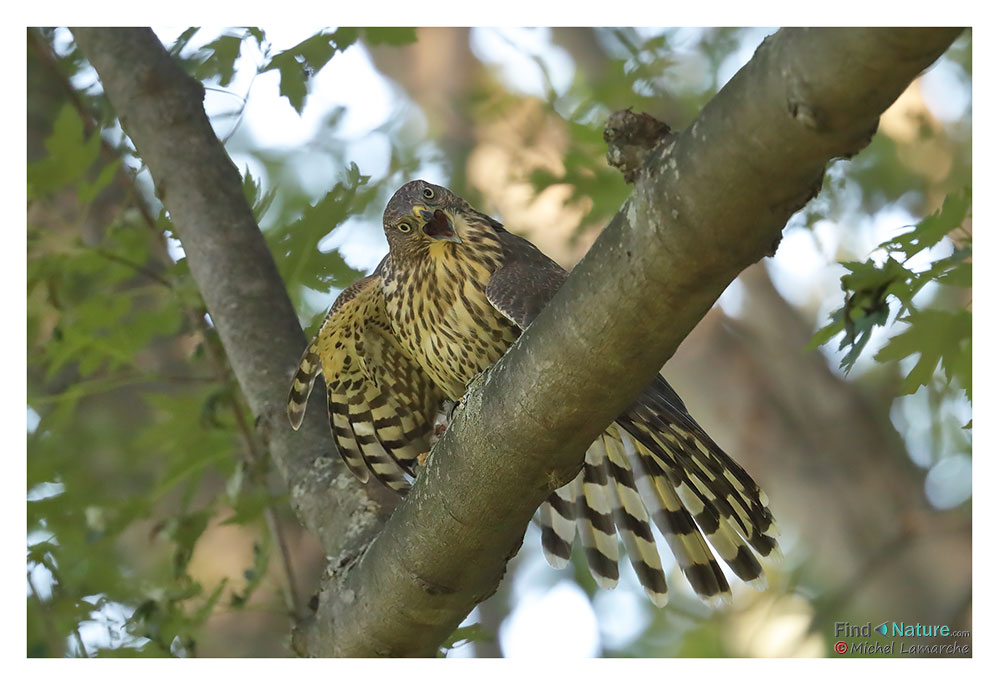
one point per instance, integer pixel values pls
(454, 292)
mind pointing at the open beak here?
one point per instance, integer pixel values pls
(437, 225)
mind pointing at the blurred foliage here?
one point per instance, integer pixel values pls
(637, 76)
(140, 446)
(937, 336)
(137, 446)
(297, 248)
(298, 64)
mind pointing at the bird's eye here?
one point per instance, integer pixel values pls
(405, 228)
(428, 193)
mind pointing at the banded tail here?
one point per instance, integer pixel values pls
(301, 386)
(656, 460)
(375, 433)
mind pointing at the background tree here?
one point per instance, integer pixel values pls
(152, 511)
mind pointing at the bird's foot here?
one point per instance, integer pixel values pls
(442, 420)
(421, 458)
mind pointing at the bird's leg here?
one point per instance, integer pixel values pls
(441, 422)
(443, 419)
(446, 412)
(449, 407)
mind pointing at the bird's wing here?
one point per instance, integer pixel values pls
(525, 282)
(654, 460)
(381, 404)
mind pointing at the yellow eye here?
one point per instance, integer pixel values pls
(428, 193)
(405, 228)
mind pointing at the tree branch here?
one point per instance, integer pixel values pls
(160, 107)
(705, 205)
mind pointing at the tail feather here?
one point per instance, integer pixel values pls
(594, 518)
(724, 517)
(558, 526)
(655, 459)
(343, 432)
(379, 432)
(686, 452)
(633, 520)
(759, 531)
(678, 527)
(683, 445)
(724, 538)
(301, 386)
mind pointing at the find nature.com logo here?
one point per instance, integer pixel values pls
(899, 629)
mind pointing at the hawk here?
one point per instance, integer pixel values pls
(454, 292)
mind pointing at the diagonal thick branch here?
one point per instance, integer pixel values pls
(706, 204)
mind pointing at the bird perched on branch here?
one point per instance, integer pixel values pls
(454, 292)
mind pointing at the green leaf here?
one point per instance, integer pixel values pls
(293, 77)
(258, 34)
(959, 276)
(395, 35)
(221, 60)
(939, 338)
(295, 246)
(182, 40)
(867, 287)
(858, 334)
(205, 610)
(935, 227)
(37, 553)
(70, 154)
(251, 191)
(343, 38)
(826, 333)
(86, 190)
(300, 63)
(868, 278)
(253, 576)
(315, 52)
(184, 531)
(355, 178)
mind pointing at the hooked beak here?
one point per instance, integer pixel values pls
(437, 225)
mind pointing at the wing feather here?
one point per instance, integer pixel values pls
(526, 281)
(381, 403)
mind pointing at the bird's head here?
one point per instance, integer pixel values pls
(421, 215)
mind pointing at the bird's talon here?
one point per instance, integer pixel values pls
(421, 458)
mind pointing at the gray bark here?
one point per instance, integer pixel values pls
(707, 204)
(160, 107)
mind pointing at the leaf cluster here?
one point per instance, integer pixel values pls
(136, 449)
(296, 65)
(937, 337)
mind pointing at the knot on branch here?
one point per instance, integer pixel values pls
(631, 138)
